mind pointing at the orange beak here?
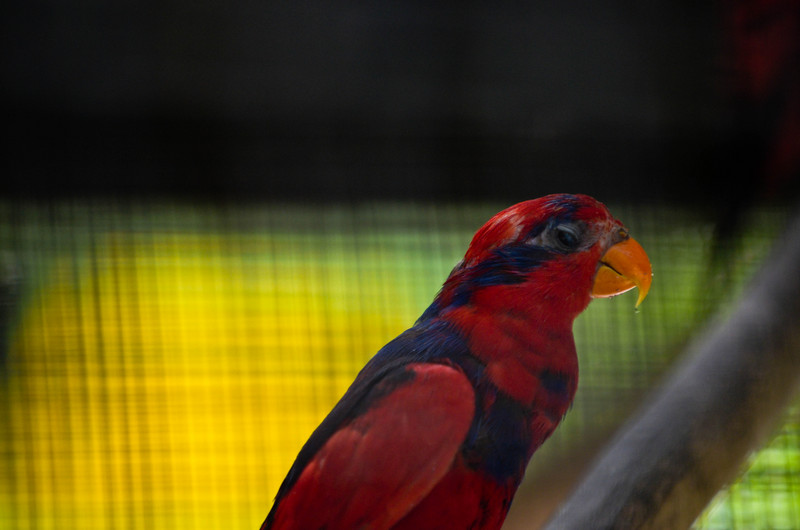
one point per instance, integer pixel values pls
(623, 267)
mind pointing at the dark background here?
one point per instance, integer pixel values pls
(399, 100)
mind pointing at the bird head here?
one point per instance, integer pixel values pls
(556, 252)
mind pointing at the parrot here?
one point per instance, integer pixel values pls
(438, 427)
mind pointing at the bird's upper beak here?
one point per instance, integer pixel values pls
(623, 267)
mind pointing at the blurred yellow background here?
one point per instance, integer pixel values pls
(169, 362)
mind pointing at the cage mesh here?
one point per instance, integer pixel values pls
(163, 363)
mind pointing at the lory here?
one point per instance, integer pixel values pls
(437, 429)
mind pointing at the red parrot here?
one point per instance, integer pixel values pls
(437, 429)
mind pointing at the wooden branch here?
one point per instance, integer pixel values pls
(721, 402)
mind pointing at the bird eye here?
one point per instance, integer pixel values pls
(567, 236)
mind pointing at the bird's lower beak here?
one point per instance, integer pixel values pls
(623, 267)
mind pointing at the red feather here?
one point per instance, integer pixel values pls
(372, 472)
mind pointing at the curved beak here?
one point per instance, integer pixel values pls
(623, 267)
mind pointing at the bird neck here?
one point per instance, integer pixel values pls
(519, 326)
(530, 357)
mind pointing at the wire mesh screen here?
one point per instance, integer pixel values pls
(164, 363)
